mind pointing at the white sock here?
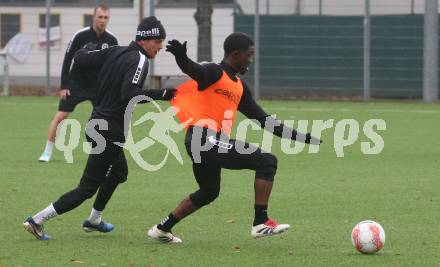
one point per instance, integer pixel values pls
(45, 214)
(49, 147)
(95, 216)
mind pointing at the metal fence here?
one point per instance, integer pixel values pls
(304, 48)
(357, 49)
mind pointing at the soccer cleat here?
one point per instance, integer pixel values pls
(37, 230)
(103, 227)
(162, 236)
(270, 227)
(45, 157)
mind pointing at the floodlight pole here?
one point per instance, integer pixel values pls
(47, 90)
(367, 39)
(257, 50)
(151, 71)
(5, 74)
(320, 8)
(430, 52)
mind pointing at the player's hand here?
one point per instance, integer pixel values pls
(168, 94)
(64, 93)
(308, 139)
(176, 48)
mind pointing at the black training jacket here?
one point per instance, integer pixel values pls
(80, 38)
(121, 72)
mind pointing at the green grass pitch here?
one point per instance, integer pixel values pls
(320, 195)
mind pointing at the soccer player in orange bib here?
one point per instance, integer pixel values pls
(207, 106)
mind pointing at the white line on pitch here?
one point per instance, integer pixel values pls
(355, 110)
(421, 111)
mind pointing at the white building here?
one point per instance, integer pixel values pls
(27, 16)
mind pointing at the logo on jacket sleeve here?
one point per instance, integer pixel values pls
(139, 69)
(137, 75)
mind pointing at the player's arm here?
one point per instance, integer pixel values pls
(86, 61)
(205, 74)
(134, 78)
(72, 47)
(250, 108)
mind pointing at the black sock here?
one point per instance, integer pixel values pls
(260, 214)
(168, 223)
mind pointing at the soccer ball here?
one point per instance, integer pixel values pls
(368, 237)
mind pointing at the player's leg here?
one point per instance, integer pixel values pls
(265, 165)
(93, 176)
(118, 174)
(47, 153)
(65, 107)
(208, 179)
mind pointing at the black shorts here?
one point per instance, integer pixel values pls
(230, 156)
(69, 104)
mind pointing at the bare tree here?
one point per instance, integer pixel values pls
(298, 5)
(203, 18)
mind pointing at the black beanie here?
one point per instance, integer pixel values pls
(150, 28)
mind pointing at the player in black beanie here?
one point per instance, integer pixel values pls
(119, 73)
(150, 28)
(150, 35)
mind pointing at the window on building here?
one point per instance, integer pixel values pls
(9, 26)
(87, 20)
(55, 31)
(54, 20)
(191, 3)
(68, 3)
